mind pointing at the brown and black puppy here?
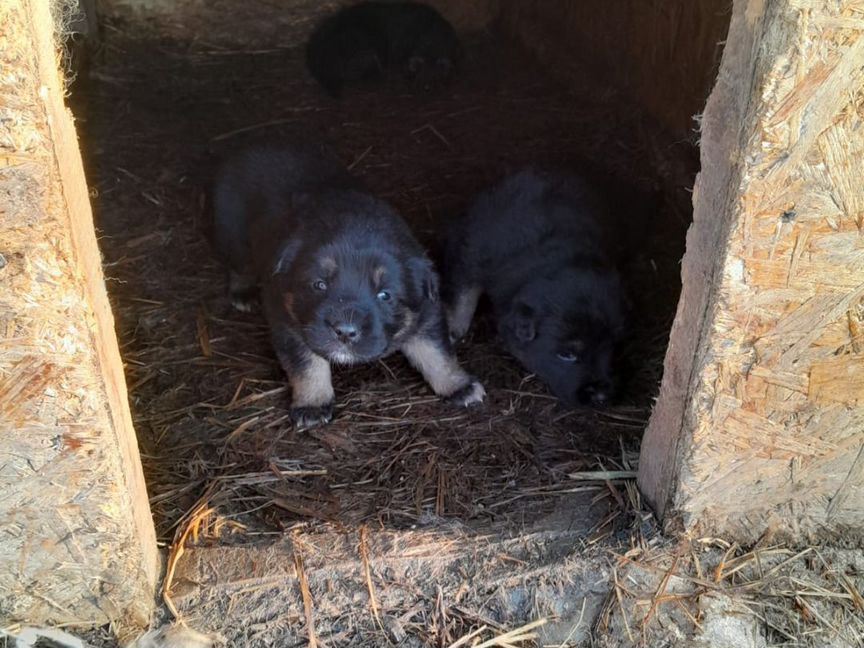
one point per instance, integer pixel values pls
(361, 41)
(342, 280)
(533, 244)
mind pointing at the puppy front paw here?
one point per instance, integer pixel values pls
(243, 290)
(471, 394)
(244, 303)
(455, 336)
(456, 329)
(308, 417)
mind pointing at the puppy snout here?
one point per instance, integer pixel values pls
(596, 393)
(345, 331)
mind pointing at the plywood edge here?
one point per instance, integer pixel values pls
(664, 442)
(759, 429)
(88, 262)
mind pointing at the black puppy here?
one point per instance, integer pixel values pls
(341, 277)
(533, 244)
(361, 41)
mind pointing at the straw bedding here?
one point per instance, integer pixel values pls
(208, 397)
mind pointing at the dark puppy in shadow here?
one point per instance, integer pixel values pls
(362, 41)
(533, 244)
(342, 280)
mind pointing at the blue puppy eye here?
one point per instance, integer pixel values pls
(568, 356)
(320, 285)
(384, 295)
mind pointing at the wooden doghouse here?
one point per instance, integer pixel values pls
(759, 423)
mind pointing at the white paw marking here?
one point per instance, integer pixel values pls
(242, 305)
(472, 396)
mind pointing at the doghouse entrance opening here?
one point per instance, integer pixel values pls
(209, 400)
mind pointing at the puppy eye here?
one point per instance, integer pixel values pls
(568, 356)
(320, 285)
(384, 295)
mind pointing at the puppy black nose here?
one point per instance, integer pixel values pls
(600, 397)
(345, 331)
(596, 393)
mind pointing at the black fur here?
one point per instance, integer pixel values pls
(533, 244)
(361, 41)
(341, 277)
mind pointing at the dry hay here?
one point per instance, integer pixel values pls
(428, 588)
(666, 595)
(661, 593)
(209, 400)
(223, 463)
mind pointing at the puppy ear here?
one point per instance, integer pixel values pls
(424, 278)
(284, 257)
(287, 251)
(520, 323)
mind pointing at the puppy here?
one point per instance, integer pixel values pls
(533, 245)
(341, 278)
(361, 41)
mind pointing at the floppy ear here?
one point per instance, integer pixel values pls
(423, 278)
(284, 257)
(520, 323)
(287, 251)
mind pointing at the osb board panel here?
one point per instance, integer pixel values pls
(256, 24)
(664, 55)
(659, 464)
(772, 429)
(78, 545)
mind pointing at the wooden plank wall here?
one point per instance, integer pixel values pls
(759, 428)
(663, 55)
(77, 544)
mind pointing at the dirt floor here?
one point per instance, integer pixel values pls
(209, 401)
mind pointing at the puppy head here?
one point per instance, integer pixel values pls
(354, 305)
(566, 335)
(429, 74)
(434, 60)
(361, 63)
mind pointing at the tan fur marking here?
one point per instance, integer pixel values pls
(439, 369)
(407, 323)
(288, 304)
(312, 387)
(377, 276)
(329, 265)
(459, 316)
